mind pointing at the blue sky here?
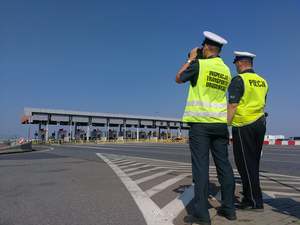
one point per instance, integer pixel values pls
(122, 56)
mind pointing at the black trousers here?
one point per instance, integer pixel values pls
(247, 146)
(203, 137)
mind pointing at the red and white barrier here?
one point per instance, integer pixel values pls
(280, 142)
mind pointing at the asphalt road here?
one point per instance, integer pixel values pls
(276, 159)
(71, 185)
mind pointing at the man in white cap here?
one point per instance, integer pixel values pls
(247, 100)
(206, 113)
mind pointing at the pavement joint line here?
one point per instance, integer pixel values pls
(160, 187)
(153, 215)
(135, 168)
(151, 177)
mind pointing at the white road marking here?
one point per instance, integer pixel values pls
(160, 187)
(152, 213)
(129, 165)
(151, 177)
(267, 181)
(123, 162)
(277, 175)
(273, 194)
(143, 171)
(174, 208)
(91, 147)
(136, 168)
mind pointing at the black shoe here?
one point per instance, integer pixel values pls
(223, 213)
(250, 207)
(193, 219)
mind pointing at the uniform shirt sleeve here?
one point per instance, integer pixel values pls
(236, 90)
(191, 73)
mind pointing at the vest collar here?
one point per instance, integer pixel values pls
(248, 71)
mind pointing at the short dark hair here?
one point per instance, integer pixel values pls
(214, 48)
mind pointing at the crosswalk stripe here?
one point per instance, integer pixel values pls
(278, 175)
(122, 161)
(274, 193)
(151, 212)
(151, 177)
(126, 163)
(143, 171)
(135, 168)
(129, 165)
(160, 187)
(266, 181)
(174, 208)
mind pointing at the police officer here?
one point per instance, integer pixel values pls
(206, 113)
(247, 100)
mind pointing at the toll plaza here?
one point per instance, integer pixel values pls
(69, 126)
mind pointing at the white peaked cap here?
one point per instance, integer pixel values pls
(214, 37)
(244, 54)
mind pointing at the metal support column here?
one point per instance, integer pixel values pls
(124, 131)
(47, 132)
(169, 134)
(39, 132)
(107, 130)
(75, 131)
(138, 132)
(178, 132)
(88, 130)
(70, 129)
(158, 132)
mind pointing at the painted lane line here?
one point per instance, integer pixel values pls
(272, 194)
(152, 213)
(120, 161)
(277, 175)
(130, 165)
(266, 187)
(266, 181)
(175, 207)
(91, 147)
(135, 168)
(160, 187)
(157, 160)
(125, 163)
(143, 171)
(151, 177)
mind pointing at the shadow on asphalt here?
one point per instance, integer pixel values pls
(286, 206)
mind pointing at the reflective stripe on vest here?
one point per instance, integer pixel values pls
(206, 101)
(252, 104)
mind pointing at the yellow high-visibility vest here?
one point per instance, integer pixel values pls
(206, 101)
(252, 104)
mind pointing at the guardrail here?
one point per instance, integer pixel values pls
(26, 147)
